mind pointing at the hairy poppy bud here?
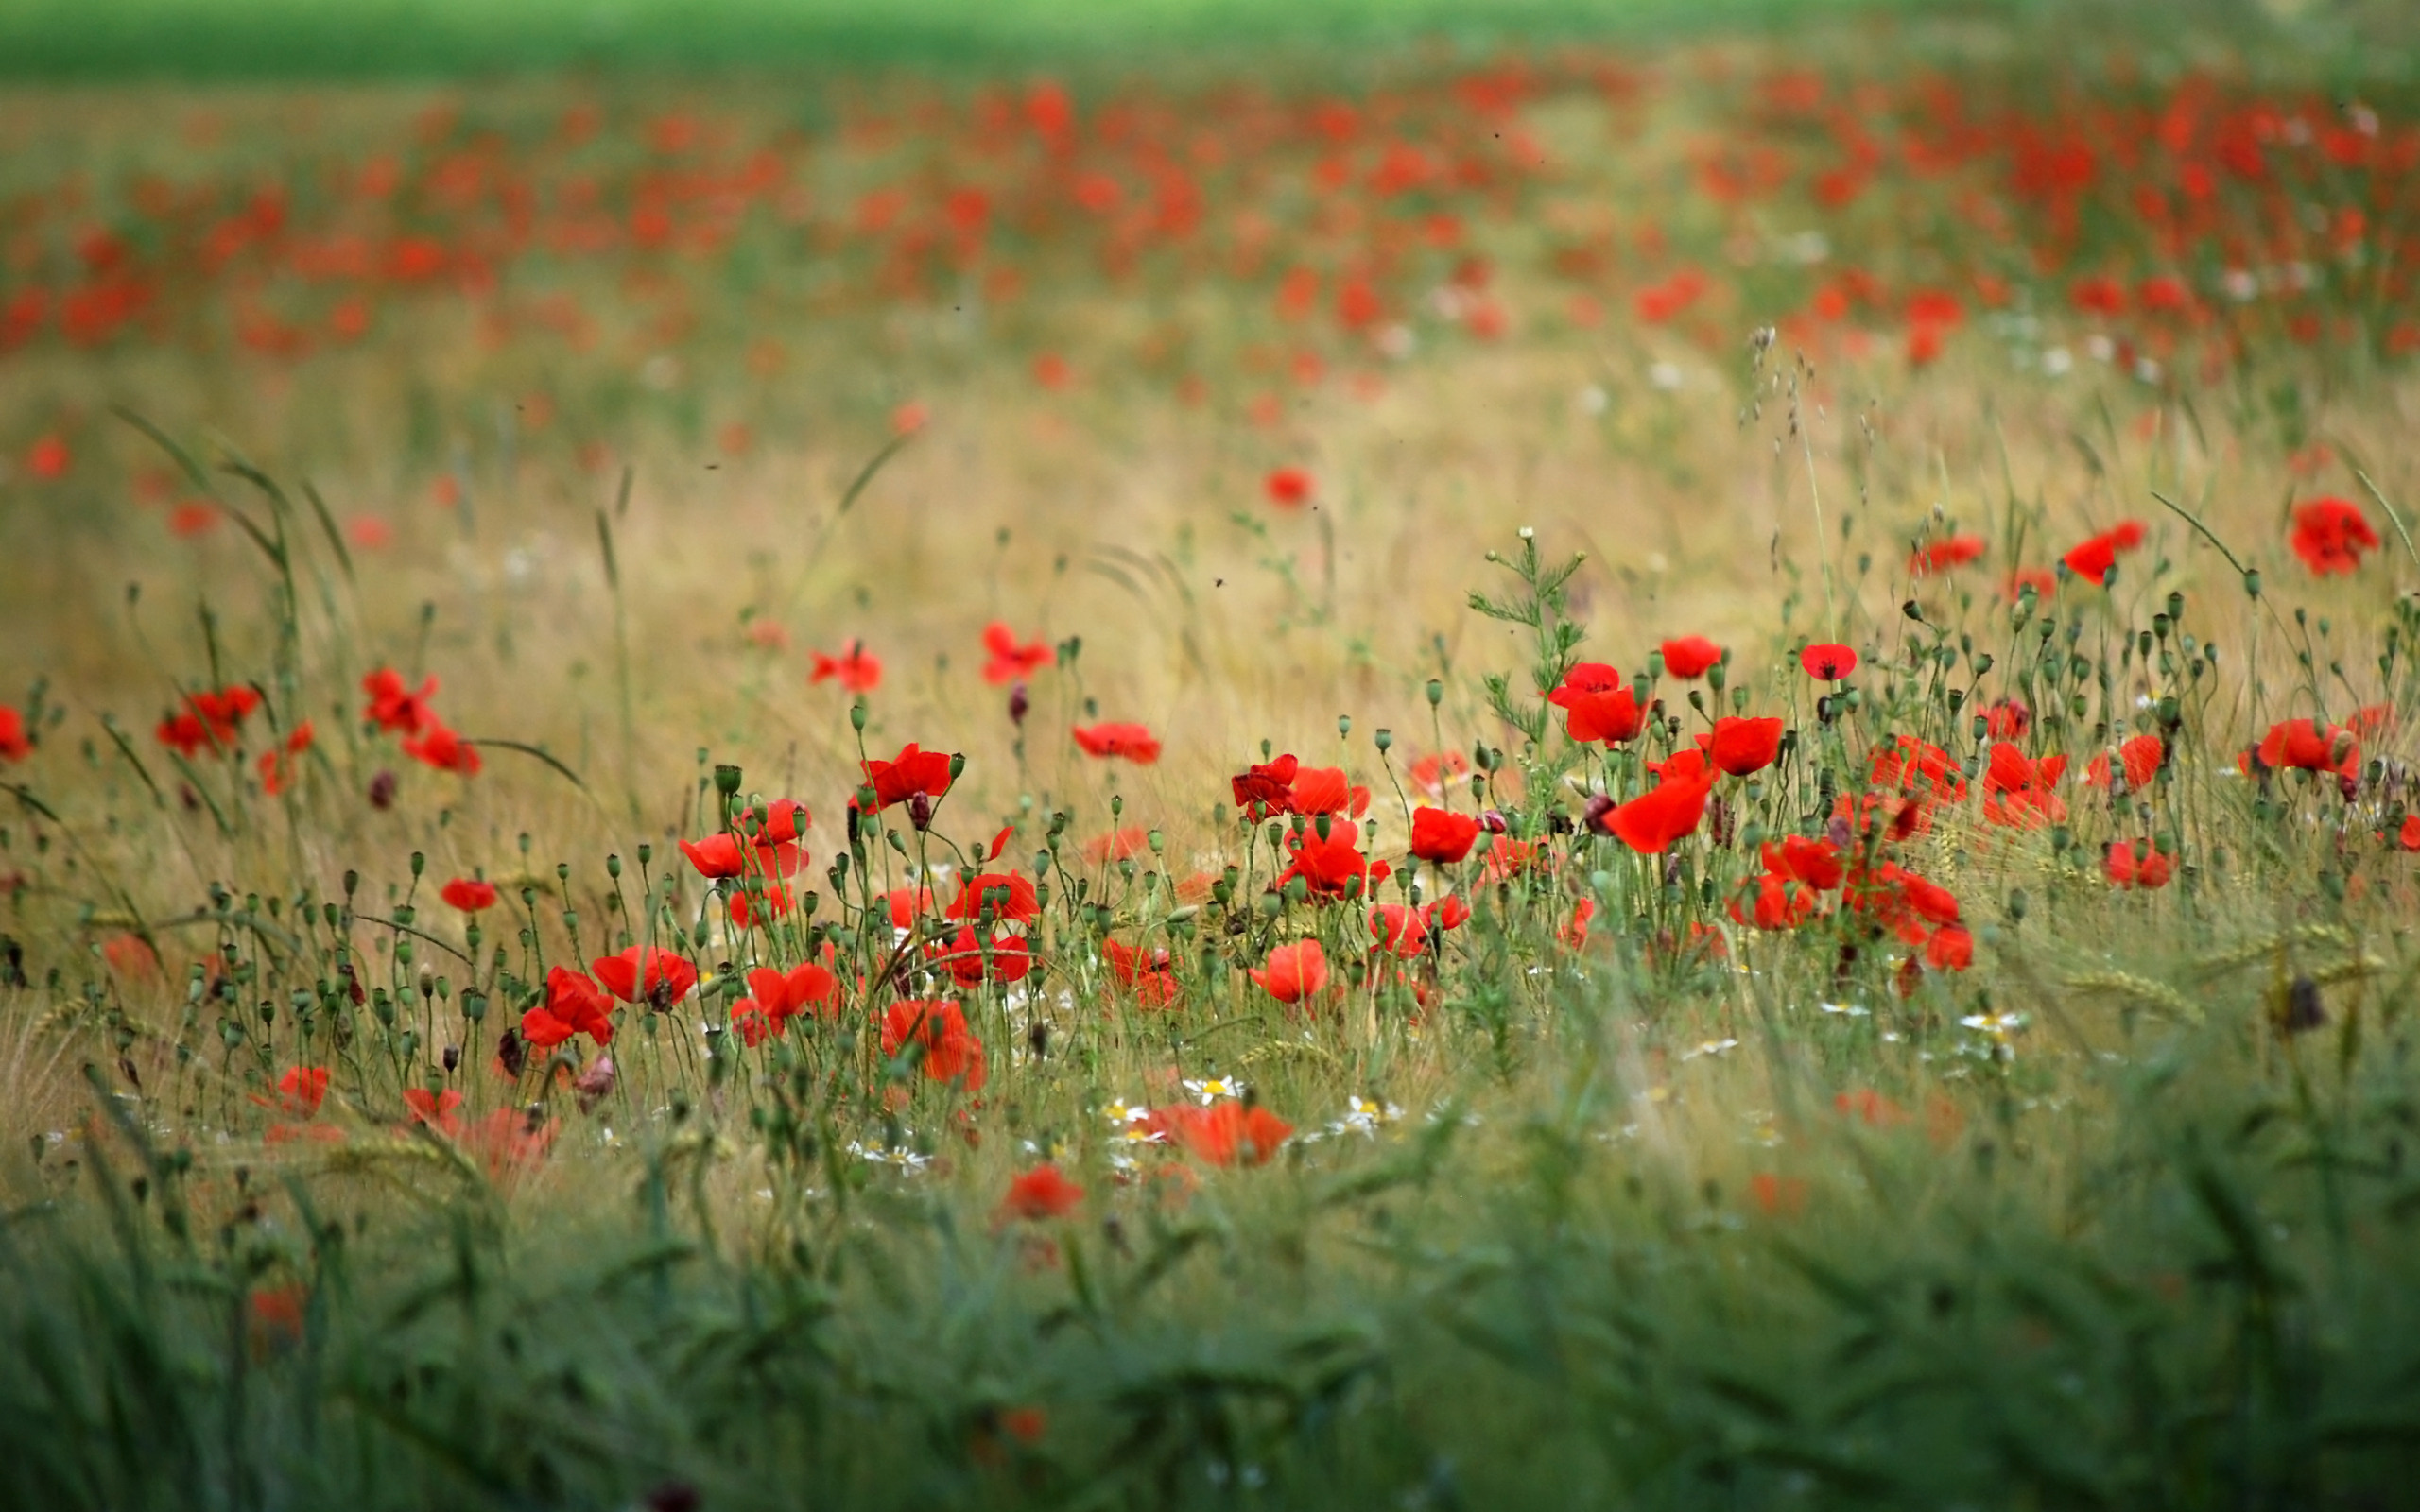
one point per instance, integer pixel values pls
(1019, 705)
(382, 791)
(920, 811)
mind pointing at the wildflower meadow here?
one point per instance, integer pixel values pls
(1579, 757)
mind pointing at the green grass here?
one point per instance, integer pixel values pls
(62, 39)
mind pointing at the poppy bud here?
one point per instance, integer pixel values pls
(1436, 693)
(1599, 805)
(1019, 705)
(920, 811)
(382, 791)
(1343, 725)
(511, 1053)
(1492, 822)
(453, 1059)
(858, 717)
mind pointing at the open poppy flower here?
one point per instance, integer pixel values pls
(1940, 556)
(2092, 560)
(209, 720)
(1010, 898)
(1331, 865)
(1294, 971)
(395, 708)
(1689, 656)
(937, 1027)
(1039, 1193)
(855, 668)
(2299, 743)
(1149, 975)
(913, 771)
(1133, 742)
(1950, 948)
(2022, 792)
(1430, 773)
(1324, 790)
(969, 958)
(1828, 662)
(646, 974)
(1771, 900)
(15, 746)
(806, 987)
(436, 1109)
(1664, 813)
(443, 749)
(1440, 836)
(1742, 746)
(2136, 864)
(1916, 768)
(277, 767)
(1228, 1132)
(468, 895)
(573, 1006)
(1009, 661)
(1598, 705)
(1266, 787)
(2139, 756)
(301, 1089)
(2330, 535)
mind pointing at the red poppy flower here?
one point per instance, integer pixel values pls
(2040, 579)
(2022, 792)
(437, 1109)
(2092, 560)
(1041, 1192)
(1150, 976)
(573, 1006)
(970, 960)
(1400, 929)
(2006, 719)
(1133, 742)
(1010, 897)
(14, 743)
(301, 1089)
(645, 972)
(1771, 901)
(1431, 773)
(2138, 757)
(1689, 656)
(1440, 836)
(1294, 971)
(855, 668)
(210, 720)
(277, 767)
(1828, 662)
(802, 988)
(1940, 556)
(1009, 661)
(2409, 836)
(1597, 704)
(1573, 936)
(2330, 535)
(1950, 949)
(510, 1141)
(1741, 747)
(395, 708)
(1288, 488)
(2299, 743)
(468, 895)
(445, 751)
(1268, 787)
(937, 1027)
(1227, 1132)
(1650, 823)
(2136, 864)
(48, 458)
(1918, 770)
(1330, 866)
(1324, 790)
(913, 771)
(1815, 863)
(1116, 845)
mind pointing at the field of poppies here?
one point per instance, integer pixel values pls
(1610, 771)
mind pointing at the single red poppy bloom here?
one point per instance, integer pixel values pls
(2019, 792)
(1950, 949)
(1440, 836)
(437, 1109)
(969, 958)
(468, 894)
(1268, 787)
(1010, 898)
(647, 974)
(1010, 662)
(396, 708)
(1829, 662)
(2409, 836)
(1598, 705)
(855, 668)
(573, 1006)
(1294, 971)
(1940, 556)
(2092, 560)
(806, 987)
(2136, 864)
(301, 1089)
(1333, 864)
(2330, 535)
(48, 458)
(1773, 901)
(15, 746)
(951, 1053)
(1042, 1193)
(2299, 743)
(716, 855)
(445, 751)
(1133, 742)
(1324, 790)
(1227, 1132)
(2138, 757)
(1288, 488)
(1815, 863)
(1149, 975)
(1917, 768)
(1689, 656)
(1400, 929)
(1650, 823)
(1741, 747)
(913, 771)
